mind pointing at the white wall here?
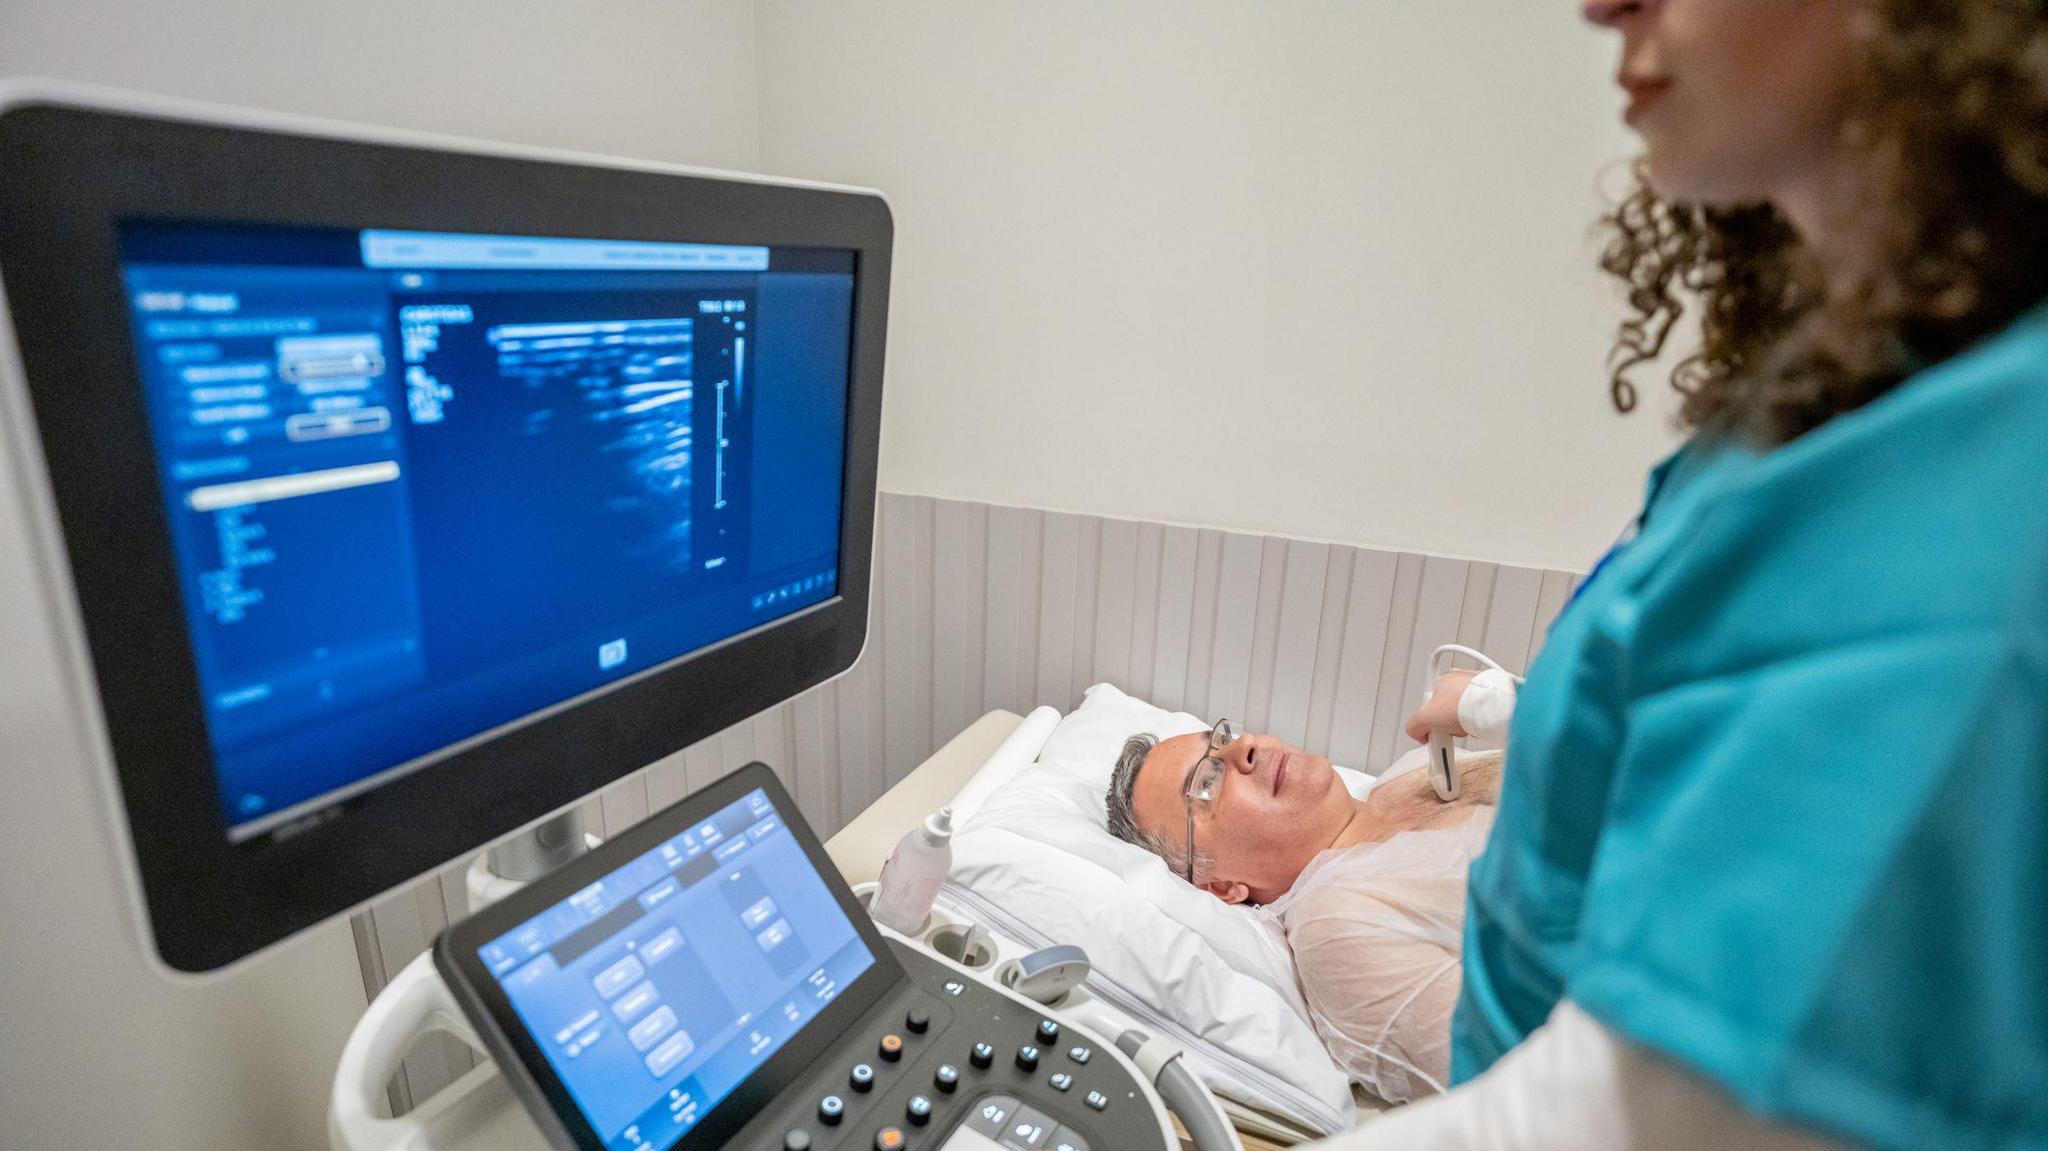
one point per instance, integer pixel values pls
(653, 79)
(96, 1049)
(1319, 268)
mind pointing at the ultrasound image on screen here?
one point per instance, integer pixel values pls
(631, 381)
(589, 426)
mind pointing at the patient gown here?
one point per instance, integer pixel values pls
(1375, 930)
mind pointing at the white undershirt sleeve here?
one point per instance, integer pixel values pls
(1574, 1085)
(1487, 705)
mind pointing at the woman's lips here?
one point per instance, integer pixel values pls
(1279, 773)
(1643, 94)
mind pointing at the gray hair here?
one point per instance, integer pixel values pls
(1123, 812)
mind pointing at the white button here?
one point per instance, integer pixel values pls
(665, 1057)
(618, 977)
(648, 1030)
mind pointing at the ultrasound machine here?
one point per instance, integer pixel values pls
(403, 491)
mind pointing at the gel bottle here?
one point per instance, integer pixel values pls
(911, 879)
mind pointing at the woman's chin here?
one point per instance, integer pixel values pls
(1674, 178)
(1681, 176)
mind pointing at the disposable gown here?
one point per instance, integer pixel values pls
(1376, 931)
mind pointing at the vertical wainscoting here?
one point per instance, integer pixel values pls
(978, 607)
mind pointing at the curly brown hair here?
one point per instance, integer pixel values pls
(1948, 126)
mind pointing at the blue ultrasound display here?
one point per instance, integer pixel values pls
(421, 485)
(657, 990)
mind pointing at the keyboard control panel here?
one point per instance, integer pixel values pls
(947, 1064)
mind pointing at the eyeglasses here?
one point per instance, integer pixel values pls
(1205, 782)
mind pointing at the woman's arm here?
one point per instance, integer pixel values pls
(1571, 1086)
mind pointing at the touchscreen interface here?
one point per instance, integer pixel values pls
(657, 990)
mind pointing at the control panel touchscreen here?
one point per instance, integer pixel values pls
(657, 990)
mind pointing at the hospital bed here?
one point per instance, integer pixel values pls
(994, 761)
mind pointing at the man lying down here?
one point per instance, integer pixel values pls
(1370, 893)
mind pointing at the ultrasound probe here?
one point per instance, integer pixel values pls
(1443, 757)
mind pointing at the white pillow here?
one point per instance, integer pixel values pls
(1053, 811)
(1242, 1038)
(1037, 847)
(1018, 751)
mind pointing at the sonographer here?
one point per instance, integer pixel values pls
(1770, 868)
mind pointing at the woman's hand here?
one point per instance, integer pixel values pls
(1441, 712)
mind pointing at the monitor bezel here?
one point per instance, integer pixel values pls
(70, 174)
(482, 997)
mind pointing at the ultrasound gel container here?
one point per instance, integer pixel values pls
(910, 881)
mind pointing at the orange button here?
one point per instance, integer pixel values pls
(889, 1139)
(892, 1047)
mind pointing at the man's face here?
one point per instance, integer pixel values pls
(1276, 808)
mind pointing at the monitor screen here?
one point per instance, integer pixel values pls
(658, 989)
(422, 486)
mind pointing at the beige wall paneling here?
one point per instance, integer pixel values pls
(624, 803)
(1395, 658)
(1235, 615)
(1088, 585)
(1332, 619)
(1011, 546)
(813, 741)
(772, 740)
(1145, 608)
(905, 637)
(1369, 617)
(1289, 675)
(1555, 592)
(1115, 602)
(1478, 601)
(1511, 617)
(1258, 704)
(1058, 591)
(1174, 617)
(959, 596)
(859, 746)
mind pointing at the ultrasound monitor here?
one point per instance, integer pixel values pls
(420, 485)
(408, 494)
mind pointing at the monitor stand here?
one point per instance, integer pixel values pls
(525, 856)
(477, 1110)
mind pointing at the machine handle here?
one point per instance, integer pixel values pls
(411, 1005)
(1159, 1059)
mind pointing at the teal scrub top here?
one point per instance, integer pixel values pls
(1776, 800)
